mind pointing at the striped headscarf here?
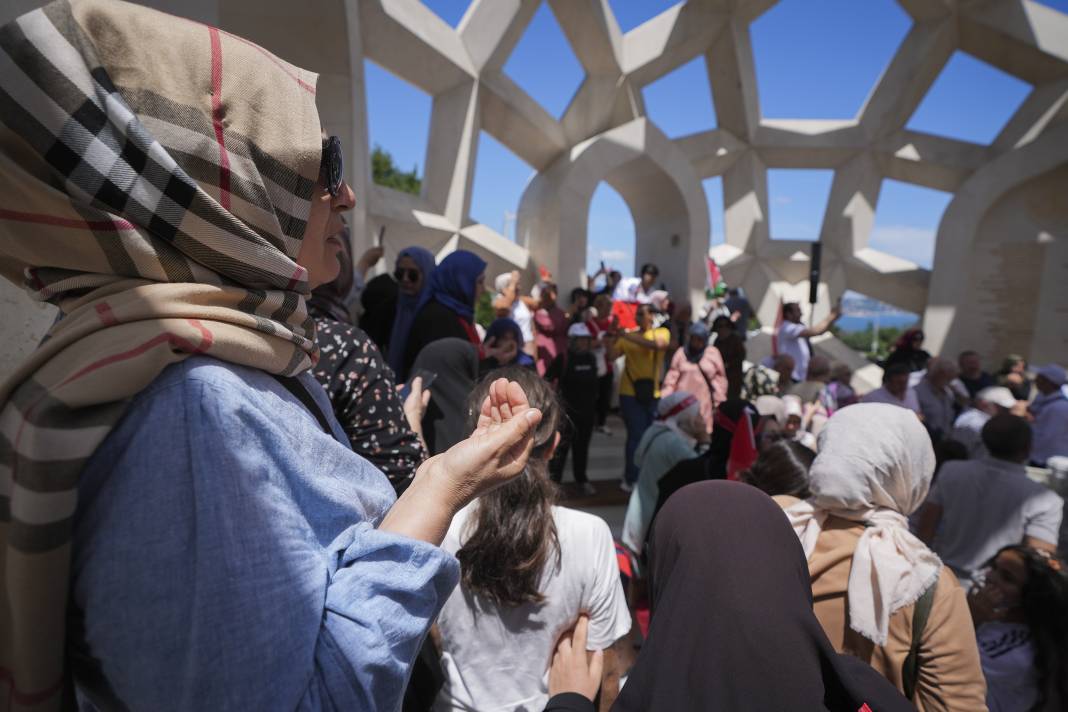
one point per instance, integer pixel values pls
(156, 177)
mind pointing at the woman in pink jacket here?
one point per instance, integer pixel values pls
(698, 368)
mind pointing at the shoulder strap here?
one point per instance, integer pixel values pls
(910, 670)
(300, 392)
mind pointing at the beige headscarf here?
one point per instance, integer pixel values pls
(156, 177)
(874, 466)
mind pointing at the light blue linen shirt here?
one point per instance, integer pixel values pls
(226, 557)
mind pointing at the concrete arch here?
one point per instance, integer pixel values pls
(659, 185)
(1004, 236)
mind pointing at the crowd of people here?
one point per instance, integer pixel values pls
(238, 474)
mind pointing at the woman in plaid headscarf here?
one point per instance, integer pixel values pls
(182, 522)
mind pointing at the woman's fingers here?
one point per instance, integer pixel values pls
(596, 666)
(582, 629)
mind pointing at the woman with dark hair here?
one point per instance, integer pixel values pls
(503, 333)
(447, 309)
(781, 471)
(413, 272)
(528, 568)
(379, 425)
(731, 624)
(1019, 602)
(908, 350)
(1013, 375)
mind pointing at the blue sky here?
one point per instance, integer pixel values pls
(814, 59)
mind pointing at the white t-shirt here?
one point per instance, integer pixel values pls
(881, 395)
(793, 344)
(987, 504)
(522, 315)
(498, 658)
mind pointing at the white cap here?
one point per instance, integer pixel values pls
(998, 395)
(578, 330)
(792, 405)
(1052, 373)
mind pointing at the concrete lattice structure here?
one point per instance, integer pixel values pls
(1002, 246)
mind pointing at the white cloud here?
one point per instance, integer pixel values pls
(614, 255)
(906, 241)
(783, 200)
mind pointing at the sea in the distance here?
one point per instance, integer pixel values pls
(861, 323)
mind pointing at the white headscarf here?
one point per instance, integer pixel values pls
(677, 407)
(874, 466)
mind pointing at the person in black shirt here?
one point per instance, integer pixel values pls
(740, 309)
(575, 373)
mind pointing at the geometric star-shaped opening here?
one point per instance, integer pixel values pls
(906, 221)
(714, 195)
(797, 200)
(631, 13)
(398, 117)
(610, 232)
(500, 178)
(820, 60)
(451, 11)
(970, 101)
(680, 102)
(544, 65)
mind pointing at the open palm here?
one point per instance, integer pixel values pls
(499, 447)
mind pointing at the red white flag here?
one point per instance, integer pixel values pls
(716, 284)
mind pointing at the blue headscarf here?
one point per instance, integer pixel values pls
(453, 283)
(503, 326)
(408, 306)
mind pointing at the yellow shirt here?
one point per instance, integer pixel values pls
(642, 362)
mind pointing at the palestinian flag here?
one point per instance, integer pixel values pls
(717, 286)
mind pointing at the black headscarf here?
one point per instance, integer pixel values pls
(732, 626)
(455, 362)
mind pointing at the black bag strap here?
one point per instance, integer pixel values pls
(300, 392)
(910, 669)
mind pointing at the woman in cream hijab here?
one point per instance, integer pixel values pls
(183, 524)
(869, 573)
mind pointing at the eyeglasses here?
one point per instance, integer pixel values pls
(332, 167)
(402, 274)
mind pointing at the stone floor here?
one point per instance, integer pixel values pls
(604, 471)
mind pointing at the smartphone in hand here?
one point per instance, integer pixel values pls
(427, 376)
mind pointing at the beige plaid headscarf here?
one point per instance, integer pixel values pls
(156, 176)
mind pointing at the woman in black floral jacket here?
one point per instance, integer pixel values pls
(361, 386)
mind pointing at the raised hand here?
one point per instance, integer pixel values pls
(496, 452)
(498, 449)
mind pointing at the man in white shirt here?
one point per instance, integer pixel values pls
(793, 335)
(937, 403)
(978, 507)
(895, 389)
(1050, 411)
(967, 428)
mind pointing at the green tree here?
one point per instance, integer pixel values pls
(862, 340)
(385, 172)
(484, 311)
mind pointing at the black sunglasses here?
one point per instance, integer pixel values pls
(411, 274)
(332, 167)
